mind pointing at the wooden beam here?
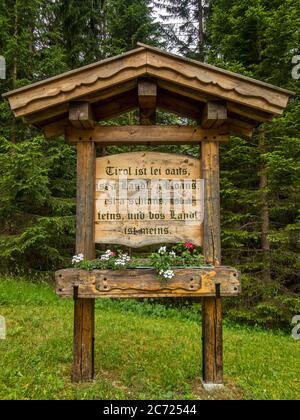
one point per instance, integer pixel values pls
(251, 113)
(147, 95)
(179, 106)
(239, 127)
(55, 129)
(214, 115)
(212, 307)
(189, 282)
(81, 115)
(130, 135)
(84, 310)
(116, 106)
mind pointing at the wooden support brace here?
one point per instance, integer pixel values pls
(147, 94)
(81, 115)
(214, 115)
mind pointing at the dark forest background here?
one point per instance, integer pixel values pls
(260, 176)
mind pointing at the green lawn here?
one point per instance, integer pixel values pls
(142, 352)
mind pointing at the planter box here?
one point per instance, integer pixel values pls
(144, 283)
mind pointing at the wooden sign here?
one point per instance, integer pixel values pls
(148, 198)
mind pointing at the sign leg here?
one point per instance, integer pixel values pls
(212, 342)
(83, 358)
(212, 307)
(84, 311)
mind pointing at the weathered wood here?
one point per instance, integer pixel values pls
(85, 237)
(55, 129)
(212, 307)
(83, 362)
(253, 114)
(147, 233)
(171, 166)
(81, 115)
(170, 104)
(211, 176)
(139, 283)
(129, 135)
(212, 341)
(179, 105)
(239, 127)
(214, 115)
(146, 62)
(118, 105)
(147, 95)
(144, 196)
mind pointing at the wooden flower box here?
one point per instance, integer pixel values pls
(143, 282)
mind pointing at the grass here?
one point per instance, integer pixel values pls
(143, 351)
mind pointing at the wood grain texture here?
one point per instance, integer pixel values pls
(149, 222)
(125, 135)
(81, 115)
(212, 341)
(85, 235)
(184, 165)
(83, 348)
(113, 234)
(144, 62)
(144, 283)
(212, 227)
(214, 115)
(212, 307)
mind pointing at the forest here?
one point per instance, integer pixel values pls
(260, 177)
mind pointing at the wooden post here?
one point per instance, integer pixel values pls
(212, 307)
(84, 313)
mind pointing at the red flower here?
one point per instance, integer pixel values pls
(190, 245)
(113, 254)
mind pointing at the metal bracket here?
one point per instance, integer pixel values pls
(75, 292)
(218, 290)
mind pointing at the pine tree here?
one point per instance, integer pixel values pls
(185, 25)
(130, 22)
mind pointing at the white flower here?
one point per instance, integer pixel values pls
(122, 260)
(77, 259)
(162, 250)
(173, 254)
(167, 274)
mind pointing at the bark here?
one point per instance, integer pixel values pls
(265, 212)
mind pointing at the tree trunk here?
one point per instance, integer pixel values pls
(201, 30)
(265, 213)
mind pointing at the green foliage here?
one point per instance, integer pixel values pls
(259, 39)
(36, 205)
(130, 22)
(181, 255)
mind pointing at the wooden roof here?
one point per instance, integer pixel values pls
(184, 87)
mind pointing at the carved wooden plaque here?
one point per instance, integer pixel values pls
(148, 198)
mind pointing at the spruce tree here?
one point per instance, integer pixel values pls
(185, 25)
